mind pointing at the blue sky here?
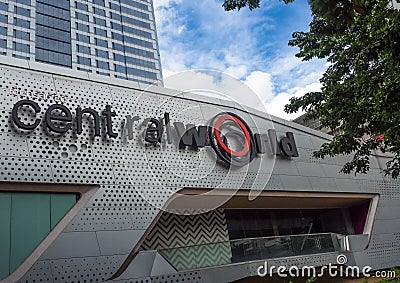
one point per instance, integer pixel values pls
(249, 45)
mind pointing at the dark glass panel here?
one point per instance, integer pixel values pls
(83, 49)
(21, 34)
(49, 21)
(56, 58)
(54, 45)
(84, 61)
(135, 13)
(22, 23)
(136, 4)
(22, 11)
(139, 42)
(135, 22)
(21, 47)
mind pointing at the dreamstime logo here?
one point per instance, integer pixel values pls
(337, 269)
(341, 259)
(201, 145)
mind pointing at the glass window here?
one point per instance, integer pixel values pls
(116, 26)
(117, 36)
(102, 53)
(250, 223)
(53, 57)
(64, 4)
(49, 21)
(141, 73)
(26, 219)
(103, 73)
(114, 6)
(100, 22)
(21, 47)
(21, 34)
(99, 11)
(118, 47)
(84, 69)
(4, 19)
(119, 57)
(102, 65)
(99, 2)
(135, 22)
(140, 52)
(82, 27)
(81, 16)
(101, 42)
(3, 6)
(53, 33)
(115, 16)
(119, 68)
(140, 62)
(54, 45)
(25, 2)
(3, 31)
(20, 56)
(81, 6)
(82, 38)
(22, 23)
(136, 13)
(83, 49)
(22, 11)
(84, 61)
(139, 42)
(135, 4)
(100, 32)
(137, 32)
(3, 43)
(46, 9)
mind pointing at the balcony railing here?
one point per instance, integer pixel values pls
(235, 251)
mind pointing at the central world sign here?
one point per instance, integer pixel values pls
(228, 134)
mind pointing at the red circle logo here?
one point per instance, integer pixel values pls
(227, 129)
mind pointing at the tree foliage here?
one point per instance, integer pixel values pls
(360, 93)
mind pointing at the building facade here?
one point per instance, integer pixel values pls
(104, 181)
(315, 124)
(115, 38)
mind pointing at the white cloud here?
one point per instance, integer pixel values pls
(277, 105)
(261, 83)
(284, 63)
(238, 71)
(250, 92)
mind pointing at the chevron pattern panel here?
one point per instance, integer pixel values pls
(177, 230)
(198, 256)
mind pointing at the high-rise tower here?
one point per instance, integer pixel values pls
(115, 38)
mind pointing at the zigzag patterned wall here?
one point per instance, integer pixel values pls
(179, 231)
(199, 256)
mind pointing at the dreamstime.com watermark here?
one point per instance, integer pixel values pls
(332, 270)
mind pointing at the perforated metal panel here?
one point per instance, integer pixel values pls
(95, 269)
(185, 277)
(40, 272)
